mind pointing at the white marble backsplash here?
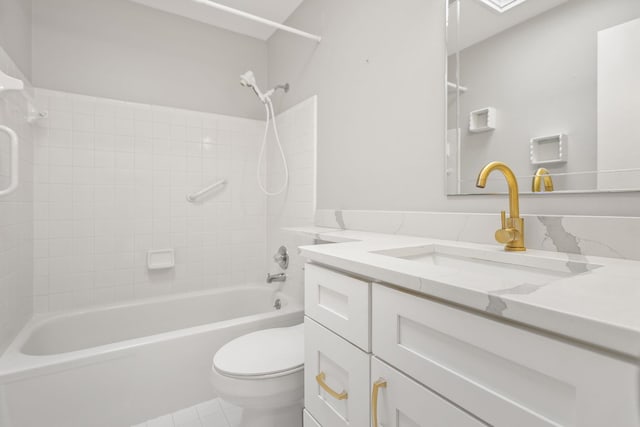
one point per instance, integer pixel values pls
(614, 237)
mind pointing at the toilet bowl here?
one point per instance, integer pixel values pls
(263, 373)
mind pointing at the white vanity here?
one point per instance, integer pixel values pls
(419, 332)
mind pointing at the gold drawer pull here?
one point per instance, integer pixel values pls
(340, 396)
(381, 383)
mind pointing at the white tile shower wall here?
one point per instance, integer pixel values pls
(296, 206)
(16, 214)
(582, 235)
(110, 184)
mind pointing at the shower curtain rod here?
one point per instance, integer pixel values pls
(258, 19)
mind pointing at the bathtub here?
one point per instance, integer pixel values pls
(121, 364)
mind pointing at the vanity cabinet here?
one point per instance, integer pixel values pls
(428, 363)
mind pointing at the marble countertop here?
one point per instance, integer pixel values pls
(599, 306)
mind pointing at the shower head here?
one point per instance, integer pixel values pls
(248, 79)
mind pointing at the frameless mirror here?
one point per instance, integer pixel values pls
(544, 85)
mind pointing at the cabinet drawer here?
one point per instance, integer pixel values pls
(344, 369)
(403, 402)
(504, 374)
(339, 302)
(308, 420)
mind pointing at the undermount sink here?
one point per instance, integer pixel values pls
(497, 264)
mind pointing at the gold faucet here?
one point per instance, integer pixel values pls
(542, 175)
(512, 231)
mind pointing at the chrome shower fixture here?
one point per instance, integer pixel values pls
(248, 79)
(284, 87)
(282, 257)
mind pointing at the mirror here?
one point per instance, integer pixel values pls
(551, 84)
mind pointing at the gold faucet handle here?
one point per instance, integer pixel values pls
(503, 219)
(506, 235)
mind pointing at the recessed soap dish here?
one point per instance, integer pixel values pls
(549, 150)
(160, 259)
(483, 120)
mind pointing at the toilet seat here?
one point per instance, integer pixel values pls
(267, 353)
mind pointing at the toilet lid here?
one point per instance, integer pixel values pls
(266, 352)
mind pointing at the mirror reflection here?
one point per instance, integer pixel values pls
(550, 87)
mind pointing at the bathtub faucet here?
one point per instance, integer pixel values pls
(278, 277)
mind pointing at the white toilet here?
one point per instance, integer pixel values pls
(263, 373)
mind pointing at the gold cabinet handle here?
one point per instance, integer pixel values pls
(381, 383)
(320, 380)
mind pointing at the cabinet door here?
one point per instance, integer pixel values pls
(336, 379)
(402, 402)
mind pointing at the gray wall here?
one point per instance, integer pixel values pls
(379, 76)
(378, 93)
(119, 49)
(15, 32)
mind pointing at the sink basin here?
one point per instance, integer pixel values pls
(499, 265)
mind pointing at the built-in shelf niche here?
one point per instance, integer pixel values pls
(549, 150)
(161, 259)
(482, 120)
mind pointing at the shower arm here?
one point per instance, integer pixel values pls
(284, 87)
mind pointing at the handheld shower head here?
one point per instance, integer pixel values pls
(248, 79)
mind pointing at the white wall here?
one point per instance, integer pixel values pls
(379, 75)
(15, 32)
(16, 214)
(111, 181)
(122, 50)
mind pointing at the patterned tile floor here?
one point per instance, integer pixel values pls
(213, 413)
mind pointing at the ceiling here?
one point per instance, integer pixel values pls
(479, 22)
(275, 10)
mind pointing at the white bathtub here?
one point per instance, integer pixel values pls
(122, 364)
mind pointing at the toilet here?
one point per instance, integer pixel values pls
(263, 373)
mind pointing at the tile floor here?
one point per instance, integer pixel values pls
(213, 413)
